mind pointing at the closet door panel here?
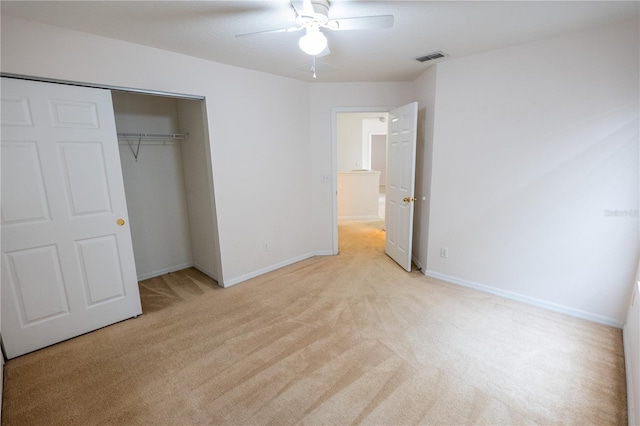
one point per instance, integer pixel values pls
(26, 202)
(101, 268)
(37, 285)
(86, 179)
(67, 260)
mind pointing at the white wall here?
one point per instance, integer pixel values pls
(425, 90)
(370, 127)
(322, 98)
(145, 113)
(353, 131)
(358, 194)
(532, 145)
(379, 156)
(260, 160)
(198, 187)
(349, 130)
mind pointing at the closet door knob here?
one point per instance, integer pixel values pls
(120, 222)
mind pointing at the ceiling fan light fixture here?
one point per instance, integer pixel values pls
(313, 42)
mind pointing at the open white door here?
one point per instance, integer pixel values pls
(401, 172)
(67, 259)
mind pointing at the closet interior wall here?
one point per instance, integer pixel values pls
(199, 186)
(168, 189)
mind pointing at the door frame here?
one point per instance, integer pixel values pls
(206, 129)
(334, 161)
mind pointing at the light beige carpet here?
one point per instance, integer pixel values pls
(331, 340)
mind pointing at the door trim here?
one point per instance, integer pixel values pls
(334, 162)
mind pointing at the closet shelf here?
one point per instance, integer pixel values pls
(154, 135)
(148, 137)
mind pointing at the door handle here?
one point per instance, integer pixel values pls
(408, 199)
(120, 222)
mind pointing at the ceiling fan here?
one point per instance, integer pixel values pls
(314, 16)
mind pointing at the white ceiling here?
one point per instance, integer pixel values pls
(207, 29)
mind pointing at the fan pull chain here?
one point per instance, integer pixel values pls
(313, 67)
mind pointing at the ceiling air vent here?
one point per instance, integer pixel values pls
(431, 56)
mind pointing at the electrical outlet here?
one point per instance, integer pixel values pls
(444, 252)
(265, 246)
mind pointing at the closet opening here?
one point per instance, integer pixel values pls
(166, 168)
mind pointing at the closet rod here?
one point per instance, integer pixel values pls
(153, 135)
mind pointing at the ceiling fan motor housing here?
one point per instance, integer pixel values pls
(319, 17)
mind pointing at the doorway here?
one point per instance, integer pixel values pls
(360, 163)
(400, 181)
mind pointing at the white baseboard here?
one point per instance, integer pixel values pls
(527, 299)
(239, 279)
(206, 271)
(253, 274)
(417, 263)
(163, 271)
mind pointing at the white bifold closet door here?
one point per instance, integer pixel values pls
(67, 258)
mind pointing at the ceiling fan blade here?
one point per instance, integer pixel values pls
(281, 30)
(361, 23)
(307, 8)
(295, 9)
(302, 7)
